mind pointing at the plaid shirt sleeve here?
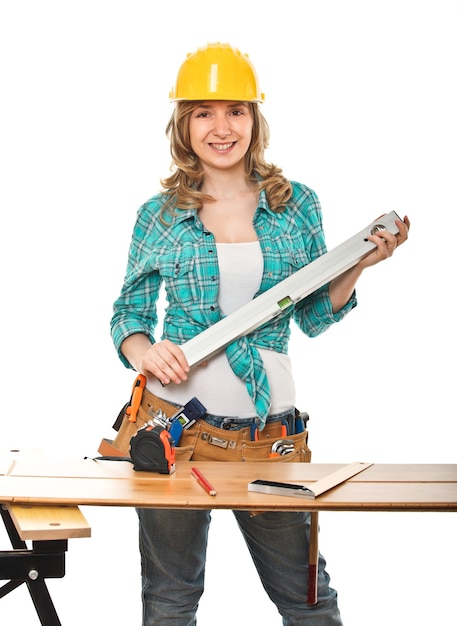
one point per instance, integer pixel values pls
(135, 311)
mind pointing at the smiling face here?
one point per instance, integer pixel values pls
(220, 133)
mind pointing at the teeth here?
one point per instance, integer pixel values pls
(223, 146)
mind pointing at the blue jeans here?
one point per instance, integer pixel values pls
(173, 554)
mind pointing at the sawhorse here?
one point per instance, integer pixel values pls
(49, 528)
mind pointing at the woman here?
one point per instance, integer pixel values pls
(226, 227)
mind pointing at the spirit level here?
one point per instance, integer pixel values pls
(286, 293)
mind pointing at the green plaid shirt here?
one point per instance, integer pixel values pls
(182, 256)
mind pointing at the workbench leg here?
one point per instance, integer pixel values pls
(313, 559)
(9, 587)
(43, 602)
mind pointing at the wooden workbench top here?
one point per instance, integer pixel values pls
(381, 487)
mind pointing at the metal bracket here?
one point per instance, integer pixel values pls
(217, 441)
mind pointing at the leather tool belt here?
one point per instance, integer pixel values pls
(204, 441)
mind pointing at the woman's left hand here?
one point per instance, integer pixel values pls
(386, 243)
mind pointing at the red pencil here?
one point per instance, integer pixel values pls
(203, 482)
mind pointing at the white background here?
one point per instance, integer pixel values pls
(361, 100)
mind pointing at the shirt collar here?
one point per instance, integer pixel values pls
(263, 205)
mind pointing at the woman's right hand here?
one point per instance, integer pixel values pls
(166, 361)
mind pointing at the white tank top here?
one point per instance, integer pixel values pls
(215, 385)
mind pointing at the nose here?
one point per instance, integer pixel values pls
(221, 126)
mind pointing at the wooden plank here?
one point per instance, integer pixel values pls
(8, 457)
(410, 472)
(5, 466)
(104, 483)
(269, 470)
(41, 523)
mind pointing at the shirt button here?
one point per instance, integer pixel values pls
(212, 308)
(213, 278)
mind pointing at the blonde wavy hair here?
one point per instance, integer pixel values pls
(184, 184)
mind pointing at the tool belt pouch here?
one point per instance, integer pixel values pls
(204, 442)
(120, 445)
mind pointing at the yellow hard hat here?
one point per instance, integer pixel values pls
(217, 72)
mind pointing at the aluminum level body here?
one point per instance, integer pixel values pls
(286, 293)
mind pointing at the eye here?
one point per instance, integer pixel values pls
(237, 112)
(202, 114)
